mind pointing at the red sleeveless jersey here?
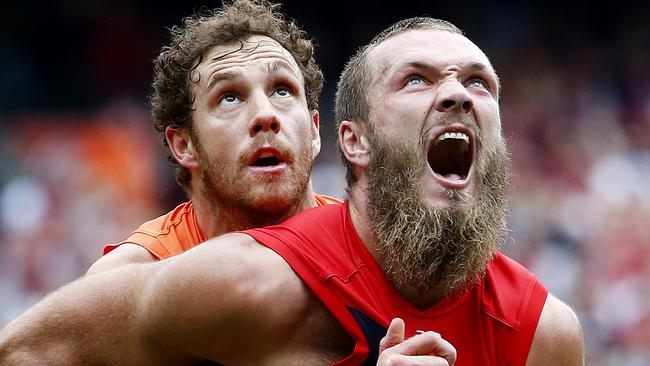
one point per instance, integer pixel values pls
(491, 323)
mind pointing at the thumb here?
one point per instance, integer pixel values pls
(394, 335)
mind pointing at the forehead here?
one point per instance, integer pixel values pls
(253, 51)
(438, 48)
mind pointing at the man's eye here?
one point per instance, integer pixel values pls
(414, 80)
(282, 92)
(229, 99)
(476, 83)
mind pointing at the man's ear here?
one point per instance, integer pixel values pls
(354, 144)
(182, 147)
(315, 133)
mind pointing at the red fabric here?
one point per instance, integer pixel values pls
(178, 231)
(491, 323)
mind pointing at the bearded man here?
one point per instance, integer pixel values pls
(420, 133)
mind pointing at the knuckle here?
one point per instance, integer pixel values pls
(395, 360)
(432, 336)
(453, 353)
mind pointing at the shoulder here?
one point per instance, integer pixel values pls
(126, 253)
(510, 288)
(231, 270)
(558, 339)
(226, 290)
(328, 210)
(232, 257)
(306, 228)
(329, 217)
(163, 223)
(236, 252)
(314, 241)
(166, 235)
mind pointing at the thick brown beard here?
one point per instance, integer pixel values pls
(232, 204)
(425, 248)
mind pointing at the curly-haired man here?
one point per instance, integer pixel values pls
(235, 98)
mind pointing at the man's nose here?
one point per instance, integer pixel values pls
(265, 117)
(453, 97)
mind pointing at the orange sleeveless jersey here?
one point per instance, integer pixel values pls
(177, 231)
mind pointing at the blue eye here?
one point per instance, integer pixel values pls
(476, 83)
(414, 80)
(282, 92)
(229, 99)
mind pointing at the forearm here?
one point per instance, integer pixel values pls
(79, 323)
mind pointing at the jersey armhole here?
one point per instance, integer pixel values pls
(157, 249)
(520, 346)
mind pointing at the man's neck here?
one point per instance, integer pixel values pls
(215, 221)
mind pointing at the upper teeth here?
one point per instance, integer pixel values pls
(265, 155)
(453, 135)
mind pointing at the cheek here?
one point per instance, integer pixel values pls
(222, 147)
(489, 121)
(409, 114)
(298, 128)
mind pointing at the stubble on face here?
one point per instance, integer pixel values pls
(425, 248)
(264, 201)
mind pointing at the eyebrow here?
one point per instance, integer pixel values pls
(220, 77)
(477, 66)
(269, 68)
(278, 65)
(471, 67)
(474, 66)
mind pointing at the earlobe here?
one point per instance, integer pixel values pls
(181, 147)
(354, 143)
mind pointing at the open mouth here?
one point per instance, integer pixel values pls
(269, 160)
(267, 157)
(451, 154)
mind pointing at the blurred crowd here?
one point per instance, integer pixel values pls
(576, 115)
(580, 196)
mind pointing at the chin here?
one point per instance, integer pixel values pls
(271, 200)
(443, 198)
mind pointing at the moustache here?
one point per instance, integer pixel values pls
(285, 150)
(443, 120)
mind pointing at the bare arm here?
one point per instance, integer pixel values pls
(151, 314)
(558, 339)
(84, 322)
(120, 256)
(240, 297)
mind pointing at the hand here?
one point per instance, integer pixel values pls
(425, 349)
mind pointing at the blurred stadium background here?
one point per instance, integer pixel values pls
(82, 167)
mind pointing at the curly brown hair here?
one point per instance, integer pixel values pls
(172, 98)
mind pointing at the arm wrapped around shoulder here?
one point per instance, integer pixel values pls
(80, 323)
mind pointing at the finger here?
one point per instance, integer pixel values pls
(427, 343)
(394, 334)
